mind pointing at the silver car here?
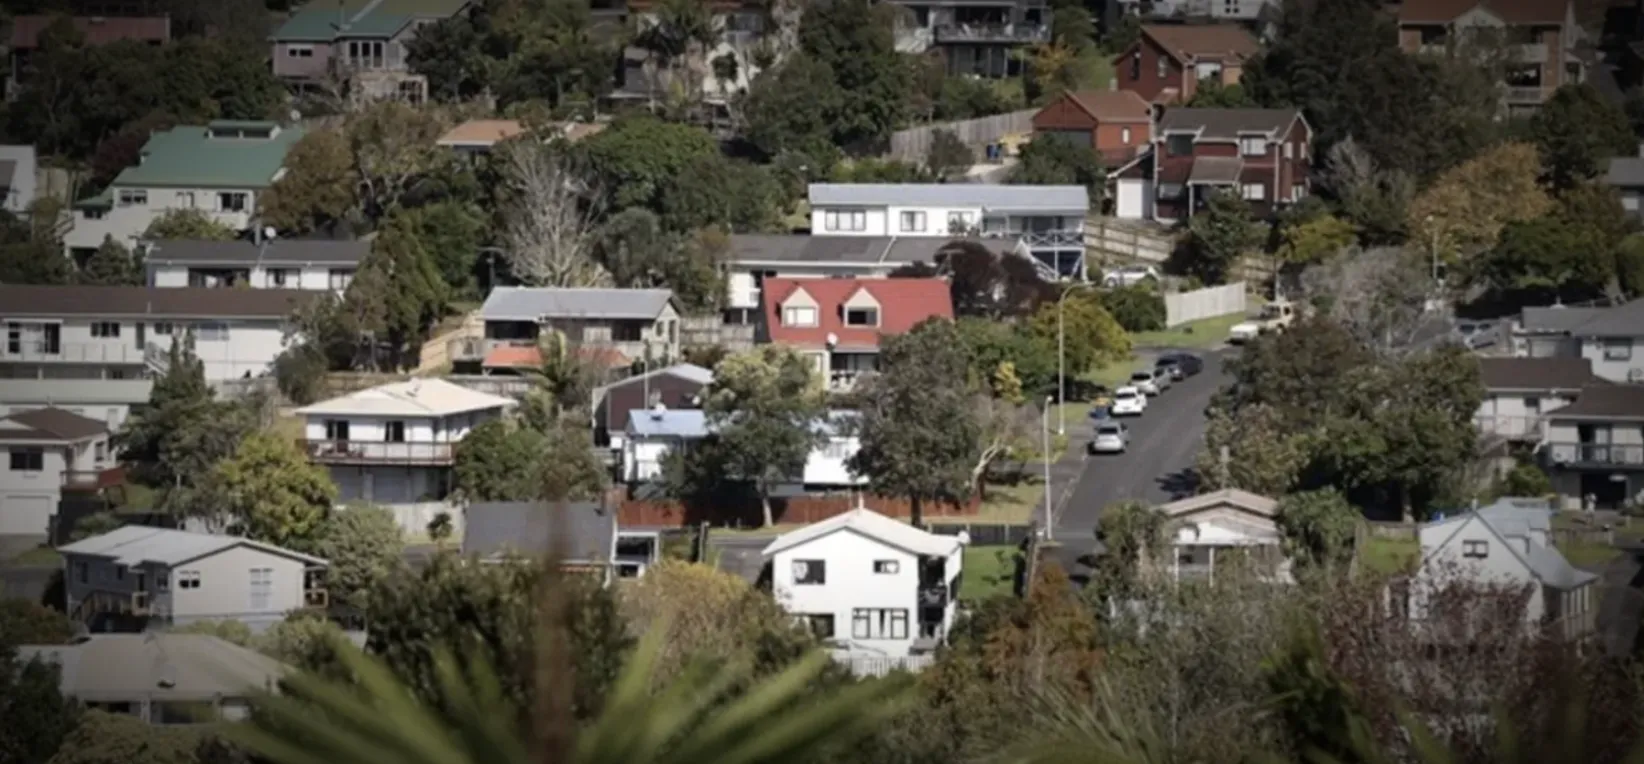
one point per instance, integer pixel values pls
(1111, 438)
(1150, 382)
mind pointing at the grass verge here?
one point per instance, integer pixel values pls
(1200, 334)
(990, 571)
(1004, 505)
(1588, 555)
(1389, 555)
(38, 557)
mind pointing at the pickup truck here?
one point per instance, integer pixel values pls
(1275, 317)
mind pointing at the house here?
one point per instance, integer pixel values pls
(838, 323)
(1595, 447)
(137, 574)
(583, 535)
(653, 433)
(118, 332)
(109, 401)
(680, 386)
(1261, 154)
(977, 39)
(1049, 219)
(1519, 391)
(742, 29)
(95, 30)
(220, 169)
(358, 44)
(1116, 124)
(756, 257)
(312, 264)
(1611, 338)
(1539, 38)
(870, 586)
(161, 678)
(49, 451)
(394, 444)
(478, 136)
(1168, 61)
(1626, 176)
(1504, 546)
(18, 165)
(1237, 525)
(617, 327)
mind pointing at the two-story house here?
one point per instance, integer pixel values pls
(116, 332)
(653, 433)
(137, 576)
(1263, 155)
(358, 44)
(95, 30)
(1502, 548)
(681, 386)
(307, 264)
(1611, 338)
(220, 169)
(161, 678)
(1595, 447)
(1168, 61)
(49, 451)
(978, 39)
(1049, 219)
(1538, 37)
(1626, 176)
(1519, 391)
(394, 444)
(874, 588)
(1118, 126)
(615, 327)
(838, 323)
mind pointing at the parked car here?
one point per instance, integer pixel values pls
(1128, 401)
(1180, 365)
(1274, 318)
(1150, 381)
(1111, 438)
(1129, 276)
(1476, 334)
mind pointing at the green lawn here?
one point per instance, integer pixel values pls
(1004, 505)
(1388, 555)
(990, 571)
(1587, 555)
(1204, 333)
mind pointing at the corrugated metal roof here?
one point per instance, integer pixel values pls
(873, 525)
(668, 423)
(1604, 401)
(137, 544)
(1003, 198)
(243, 252)
(532, 303)
(412, 398)
(1535, 373)
(158, 666)
(113, 392)
(585, 531)
(189, 156)
(156, 302)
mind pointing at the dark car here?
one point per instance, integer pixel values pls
(1179, 365)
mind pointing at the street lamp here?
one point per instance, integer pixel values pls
(1044, 427)
(1061, 356)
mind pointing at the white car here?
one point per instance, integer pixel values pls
(1150, 382)
(1129, 275)
(1128, 401)
(1111, 438)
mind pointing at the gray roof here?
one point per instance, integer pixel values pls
(1555, 319)
(1535, 373)
(1228, 124)
(157, 666)
(530, 528)
(668, 423)
(1515, 518)
(1603, 400)
(988, 196)
(533, 303)
(1619, 321)
(69, 392)
(137, 544)
(862, 250)
(243, 252)
(1625, 171)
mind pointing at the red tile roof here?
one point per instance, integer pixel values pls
(903, 303)
(1113, 105)
(99, 30)
(1228, 43)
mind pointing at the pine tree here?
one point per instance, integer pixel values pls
(111, 265)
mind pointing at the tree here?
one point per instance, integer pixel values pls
(1265, 451)
(1084, 331)
(1221, 234)
(364, 545)
(112, 265)
(948, 156)
(1133, 536)
(27, 260)
(107, 738)
(302, 640)
(548, 220)
(1056, 162)
(1137, 308)
(856, 40)
(1463, 212)
(23, 622)
(497, 461)
(400, 285)
(452, 232)
(1212, 94)
(987, 284)
(634, 248)
(1549, 255)
(34, 716)
(787, 111)
(1379, 296)
(632, 161)
(1318, 527)
(1577, 131)
(991, 344)
(390, 146)
(763, 408)
(190, 224)
(919, 433)
(1304, 373)
(1375, 200)
(271, 487)
(712, 190)
(1630, 265)
(319, 189)
(1311, 240)
(1004, 426)
(1007, 386)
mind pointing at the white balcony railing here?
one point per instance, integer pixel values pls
(1000, 33)
(1042, 239)
(1509, 426)
(72, 352)
(370, 452)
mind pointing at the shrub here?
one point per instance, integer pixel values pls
(1137, 308)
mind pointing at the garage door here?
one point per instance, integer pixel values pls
(26, 514)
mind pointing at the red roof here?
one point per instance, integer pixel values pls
(903, 303)
(99, 30)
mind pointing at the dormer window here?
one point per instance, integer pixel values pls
(861, 317)
(799, 315)
(1179, 145)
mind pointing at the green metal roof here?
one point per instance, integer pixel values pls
(325, 22)
(191, 157)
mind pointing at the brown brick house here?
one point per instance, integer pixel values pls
(1539, 38)
(1262, 154)
(1167, 61)
(1117, 124)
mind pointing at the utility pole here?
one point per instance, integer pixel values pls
(1226, 471)
(1050, 520)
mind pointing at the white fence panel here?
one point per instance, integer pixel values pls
(1209, 302)
(913, 144)
(879, 665)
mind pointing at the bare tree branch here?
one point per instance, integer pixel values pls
(1379, 295)
(548, 228)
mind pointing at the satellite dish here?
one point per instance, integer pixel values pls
(833, 339)
(296, 115)
(270, 233)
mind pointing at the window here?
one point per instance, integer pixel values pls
(99, 451)
(27, 459)
(879, 623)
(1172, 191)
(1179, 145)
(277, 276)
(1618, 350)
(1136, 65)
(1124, 135)
(1475, 549)
(1164, 67)
(82, 572)
(394, 432)
(820, 624)
(810, 572)
(93, 214)
(133, 197)
(365, 53)
(627, 331)
(959, 222)
(162, 328)
(1254, 192)
(105, 329)
(1287, 148)
(299, 51)
(340, 278)
(799, 315)
(212, 332)
(861, 317)
(262, 588)
(336, 429)
(188, 579)
(185, 200)
(913, 222)
(887, 567)
(1532, 405)
(231, 201)
(119, 572)
(1298, 192)
(848, 220)
(1253, 147)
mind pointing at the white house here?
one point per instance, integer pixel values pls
(98, 332)
(1231, 523)
(314, 265)
(220, 169)
(871, 586)
(394, 445)
(1594, 447)
(1518, 392)
(160, 576)
(1049, 219)
(161, 678)
(1504, 546)
(651, 434)
(49, 451)
(1612, 338)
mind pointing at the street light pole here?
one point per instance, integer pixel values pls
(1050, 519)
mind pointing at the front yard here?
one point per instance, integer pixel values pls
(989, 572)
(1203, 334)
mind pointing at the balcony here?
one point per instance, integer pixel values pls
(1524, 94)
(93, 480)
(364, 452)
(73, 352)
(1510, 427)
(933, 595)
(1009, 34)
(1042, 239)
(1597, 455)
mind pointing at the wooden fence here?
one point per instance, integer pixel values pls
(913, 144)
(746, 513)
(1110, 242)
